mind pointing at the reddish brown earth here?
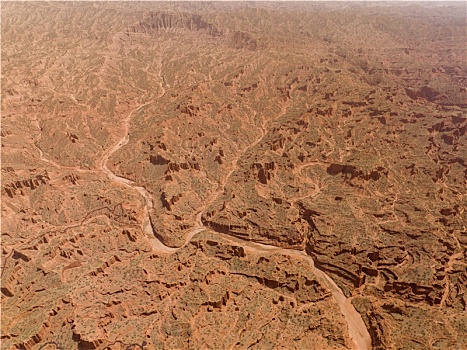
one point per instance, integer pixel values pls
(234, 175)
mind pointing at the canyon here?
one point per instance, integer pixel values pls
(234, 175)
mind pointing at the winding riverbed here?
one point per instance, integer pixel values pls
(357, 329)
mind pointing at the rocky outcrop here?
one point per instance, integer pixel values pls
(243, 40)
(264, 172)
(174, 20)
(247, 224)
(425, 92)
(350, 172)
(158, 160)
(18, 187)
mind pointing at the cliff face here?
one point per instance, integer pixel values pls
(244, 40)
(177, 20)
(169, 169)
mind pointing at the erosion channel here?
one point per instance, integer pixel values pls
(356, 327)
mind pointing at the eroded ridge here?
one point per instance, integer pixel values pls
(294, 173)
(357, 329)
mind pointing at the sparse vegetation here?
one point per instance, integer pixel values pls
(148, 148)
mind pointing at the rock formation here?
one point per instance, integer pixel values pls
(233, 175)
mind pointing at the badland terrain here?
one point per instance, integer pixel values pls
(234, 175)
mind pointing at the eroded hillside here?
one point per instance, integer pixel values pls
(234, 175)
